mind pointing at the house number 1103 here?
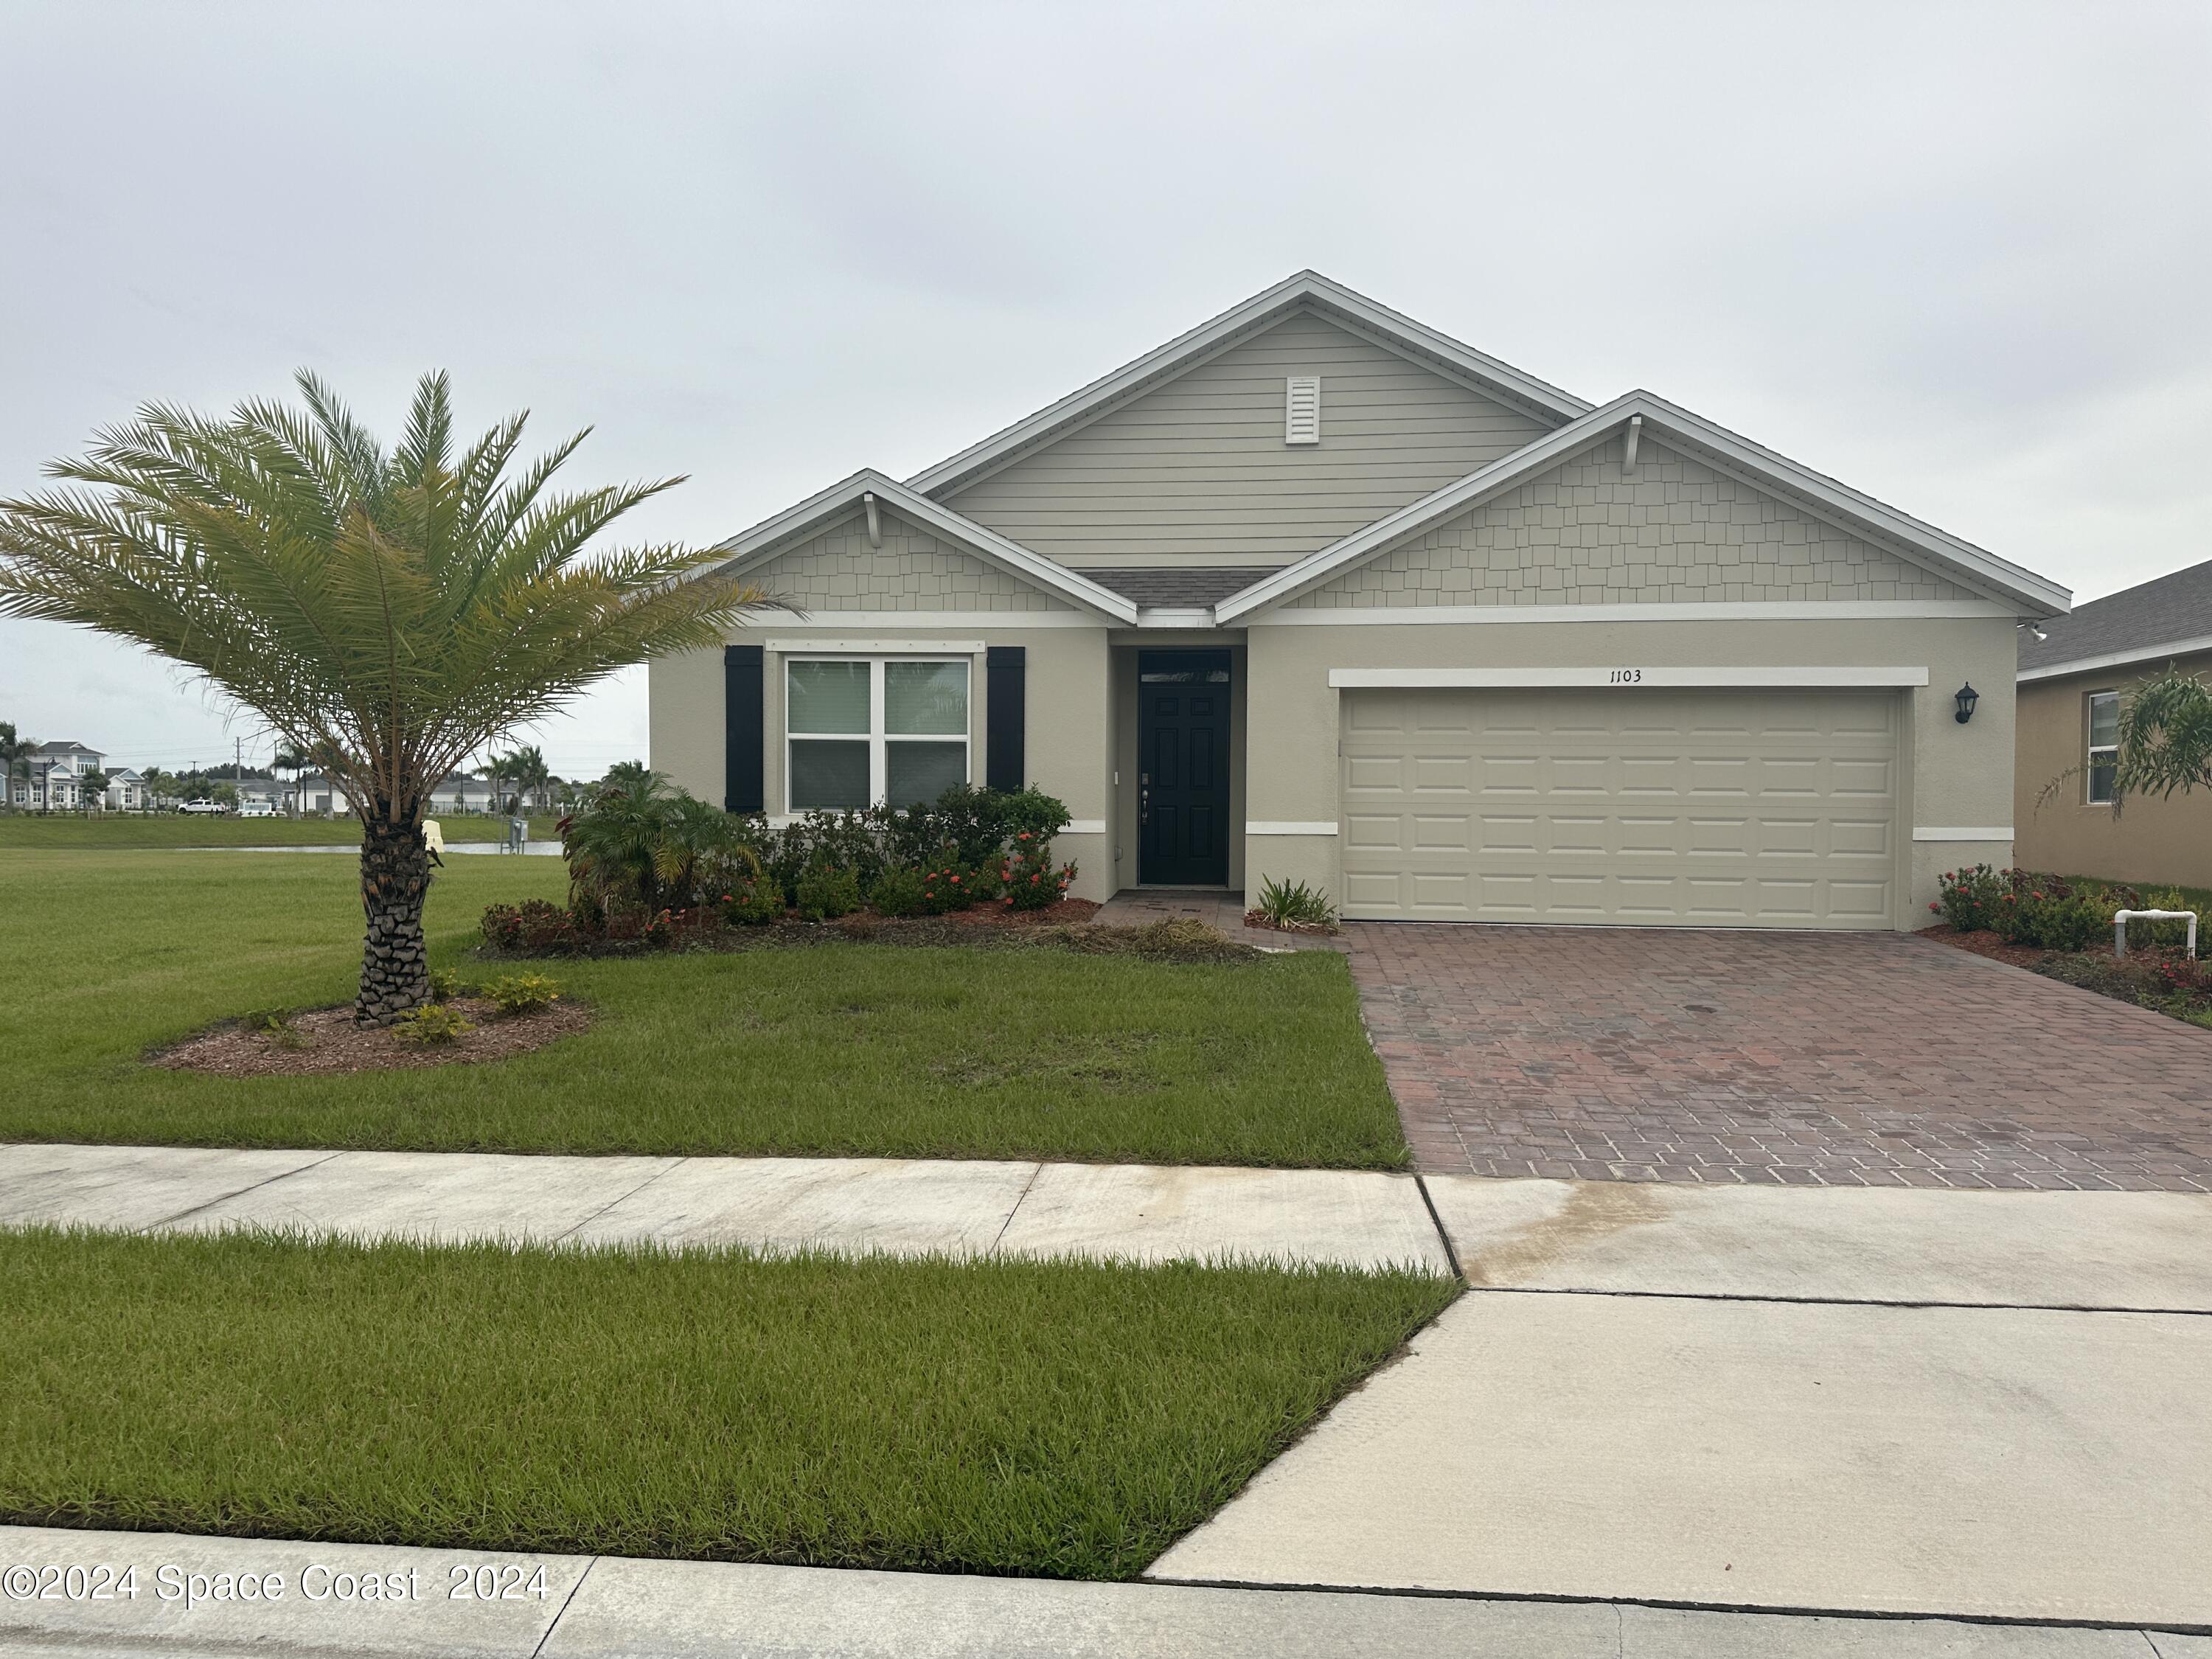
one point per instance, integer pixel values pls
(1626, 675)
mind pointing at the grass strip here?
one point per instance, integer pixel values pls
(123, 831)
(843, 1049)
(1062, 1420)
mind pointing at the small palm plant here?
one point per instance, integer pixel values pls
(388, 613)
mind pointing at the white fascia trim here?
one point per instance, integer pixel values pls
(878, 647)
(1009, 620)
(1611, 678)
(2117, 658)
(1747, 611)
(1161, 615)
(1667, 424)
(1307, 287)
(2003, 834)
(1290, 828)
(765, 540)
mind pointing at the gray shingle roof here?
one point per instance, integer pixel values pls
(1180, 585)
(2158, 612)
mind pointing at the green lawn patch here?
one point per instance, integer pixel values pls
(997, 1417)
(839, 1049)
(122, 831)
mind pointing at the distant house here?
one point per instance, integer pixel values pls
(461, 793)
(52, 784)
(127, 792)
(317, 793)
(2071, 683)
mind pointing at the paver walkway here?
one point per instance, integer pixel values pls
(1801, 1059)
(909, 1207)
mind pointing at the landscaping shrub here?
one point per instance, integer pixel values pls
(1027, 874)
(445, 985)
(825, 894)
(897, 892)
(1294, 904)
(523, 993)
(433, 1025)
(2047, 913)
(1969, 897)
(652, 845)
(947, 887)
(537, 927)
(276, 1024)
(754, 904)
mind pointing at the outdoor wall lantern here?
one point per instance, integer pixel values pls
(1966, 698)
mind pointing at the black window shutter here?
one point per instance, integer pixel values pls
(1006, 709)
(744, 715)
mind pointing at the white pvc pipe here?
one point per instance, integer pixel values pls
(2122, 918)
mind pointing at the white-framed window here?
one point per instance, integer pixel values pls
(2104, 750)
(865, 731)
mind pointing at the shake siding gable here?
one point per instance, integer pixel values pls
(1198, 468)
(1673, 531)
(913, 570)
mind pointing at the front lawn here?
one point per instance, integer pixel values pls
(841, 1050)
(996, 1416)
(117, 831)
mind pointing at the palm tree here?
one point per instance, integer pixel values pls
(403, 609)
(285, 761)
(12, 749)
(526, 770)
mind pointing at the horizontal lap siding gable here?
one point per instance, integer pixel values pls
(1673, 531)
(913, 570)
(1199, 466)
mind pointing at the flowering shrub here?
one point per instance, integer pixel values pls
(753, 905)
(949, 887)
(1969, 896)
(2048, 914)
(1028, 877)
(534, 927)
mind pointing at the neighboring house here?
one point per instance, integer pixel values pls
(2071, 683)
(317, 793)
(461, 793)
(276, 794)
(51, 784)
(127, 791)
(1315, 591)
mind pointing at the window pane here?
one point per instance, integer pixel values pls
(827, 696)
(2104, 719)
(831, 775)
(926, 696)
(921, 771)
(2100, 781)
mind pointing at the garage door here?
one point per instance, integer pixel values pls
(1645, 807)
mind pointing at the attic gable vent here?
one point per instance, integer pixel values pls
(1302, 410)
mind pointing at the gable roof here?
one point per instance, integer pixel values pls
(1814, 492)
(1307, 290)
(765, 540)
(2167, 617)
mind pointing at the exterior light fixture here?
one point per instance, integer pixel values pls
(1966, 698)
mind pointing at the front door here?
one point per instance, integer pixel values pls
(1183, 799)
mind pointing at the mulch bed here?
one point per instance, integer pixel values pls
(328, 1043)
(1984, 943)
(1260, 918)
(1061, 914)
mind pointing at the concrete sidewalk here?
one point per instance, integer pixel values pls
(905, 1206)
(1893, 1401)
(599, 1608)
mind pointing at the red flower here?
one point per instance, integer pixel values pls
(1024, 836)
(956, 881)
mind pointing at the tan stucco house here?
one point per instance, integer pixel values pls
(2071, 683)
(1316, 591)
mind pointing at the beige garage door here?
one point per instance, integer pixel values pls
(1646, 807)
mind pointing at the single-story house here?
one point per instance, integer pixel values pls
(1315, 592)
(317, 794)
(459, 793)
(2071, 683)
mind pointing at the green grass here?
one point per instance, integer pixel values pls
(119, 830)
(1050, 1419)
(841, 1050)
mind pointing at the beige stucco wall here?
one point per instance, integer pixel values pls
(1955, 777)
(2152, 840)
(1673, 531)
(1067, 746)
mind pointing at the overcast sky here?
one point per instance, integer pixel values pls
(1956, 255)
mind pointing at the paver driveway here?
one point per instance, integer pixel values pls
(1812, 1059)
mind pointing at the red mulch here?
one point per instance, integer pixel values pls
(1983, 943)
(326, 1040)
(1074, 911)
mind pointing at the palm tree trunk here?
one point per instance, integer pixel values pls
(395, 875)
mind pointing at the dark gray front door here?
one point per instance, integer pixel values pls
(1182, 713)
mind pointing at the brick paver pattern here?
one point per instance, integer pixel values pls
(1800, 1058)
